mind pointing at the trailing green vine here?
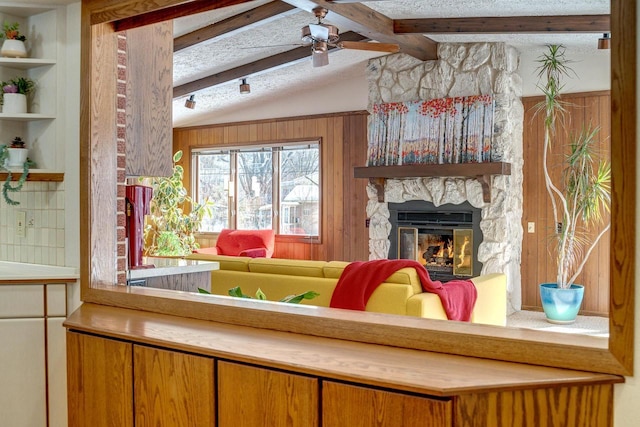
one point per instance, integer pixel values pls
(7, 188)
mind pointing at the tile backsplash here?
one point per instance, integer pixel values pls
(44, 239)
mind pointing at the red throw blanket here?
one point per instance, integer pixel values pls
(359, 279)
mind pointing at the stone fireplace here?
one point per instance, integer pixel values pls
(461, 70)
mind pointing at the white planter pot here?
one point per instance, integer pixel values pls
(14, 103)
(13, 49)
(17, 157)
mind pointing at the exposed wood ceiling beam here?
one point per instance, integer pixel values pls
(373, 25)
(243, 21)
(510, 24)
(290, 56)
(173, 12)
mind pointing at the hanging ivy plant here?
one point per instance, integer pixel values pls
(7, 188)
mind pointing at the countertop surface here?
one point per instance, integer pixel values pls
(170, 266)
(11, 272)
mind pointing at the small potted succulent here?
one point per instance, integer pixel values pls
(13, 45)
(17, 153)
(9, 162)
(14, 95)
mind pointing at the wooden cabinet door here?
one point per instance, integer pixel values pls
(99, 381)
(172, 388)
(250, 397)
(357, 406)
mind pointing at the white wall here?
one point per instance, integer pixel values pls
(71, 125)
(592, 72)
(348, 95)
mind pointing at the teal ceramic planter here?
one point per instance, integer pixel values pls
(561, 305)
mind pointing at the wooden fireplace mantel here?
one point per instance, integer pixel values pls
(481, 171)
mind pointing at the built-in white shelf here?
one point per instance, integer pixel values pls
(26, 117)
(25, 63)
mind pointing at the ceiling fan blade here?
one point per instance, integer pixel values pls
(319, 32)
(378, 47)
(320, 59)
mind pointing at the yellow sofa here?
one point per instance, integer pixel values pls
(399, 294)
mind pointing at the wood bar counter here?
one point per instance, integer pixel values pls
(129, 367)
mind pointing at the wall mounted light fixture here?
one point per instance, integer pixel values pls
(604, 41)
(190, 102)
(245, 87)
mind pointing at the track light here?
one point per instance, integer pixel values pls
(245, 87)
(604, 41)
(190, 102)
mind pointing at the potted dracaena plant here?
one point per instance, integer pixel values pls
(13, 45)
(579, 198)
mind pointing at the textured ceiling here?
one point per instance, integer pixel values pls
(283, 33)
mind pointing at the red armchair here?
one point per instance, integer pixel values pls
(249, 243)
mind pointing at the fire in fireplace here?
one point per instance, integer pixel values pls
(444, 239)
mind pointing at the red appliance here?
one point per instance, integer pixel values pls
(138, 198)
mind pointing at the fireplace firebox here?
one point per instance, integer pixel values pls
(444, 239)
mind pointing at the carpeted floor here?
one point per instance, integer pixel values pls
(588, 325)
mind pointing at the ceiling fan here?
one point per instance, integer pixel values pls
(322, 35)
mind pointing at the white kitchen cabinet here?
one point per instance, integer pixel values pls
(32, 356)
(23, 378)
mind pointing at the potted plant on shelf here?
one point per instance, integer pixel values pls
(17, 153)
(174, 217)
(8, 161)
(14, 95)
(13, 45)
(578, 198)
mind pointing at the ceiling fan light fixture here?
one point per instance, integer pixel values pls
(190, 102)
(245, 87)
(604, 42)
(310, 32)
(319, 47)
(320, 32)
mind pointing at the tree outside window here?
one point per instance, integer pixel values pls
(261, 187)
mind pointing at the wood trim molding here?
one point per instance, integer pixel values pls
(623, 177)
(282, 119)
(505, 24)
(481, 171)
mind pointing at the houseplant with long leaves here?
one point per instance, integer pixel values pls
(174, 216)
(582, 195)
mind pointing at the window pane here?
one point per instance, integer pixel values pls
(255, 189)
(299, 190)
(213, 183)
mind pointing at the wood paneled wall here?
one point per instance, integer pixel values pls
(343, 139)
(537, 264)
